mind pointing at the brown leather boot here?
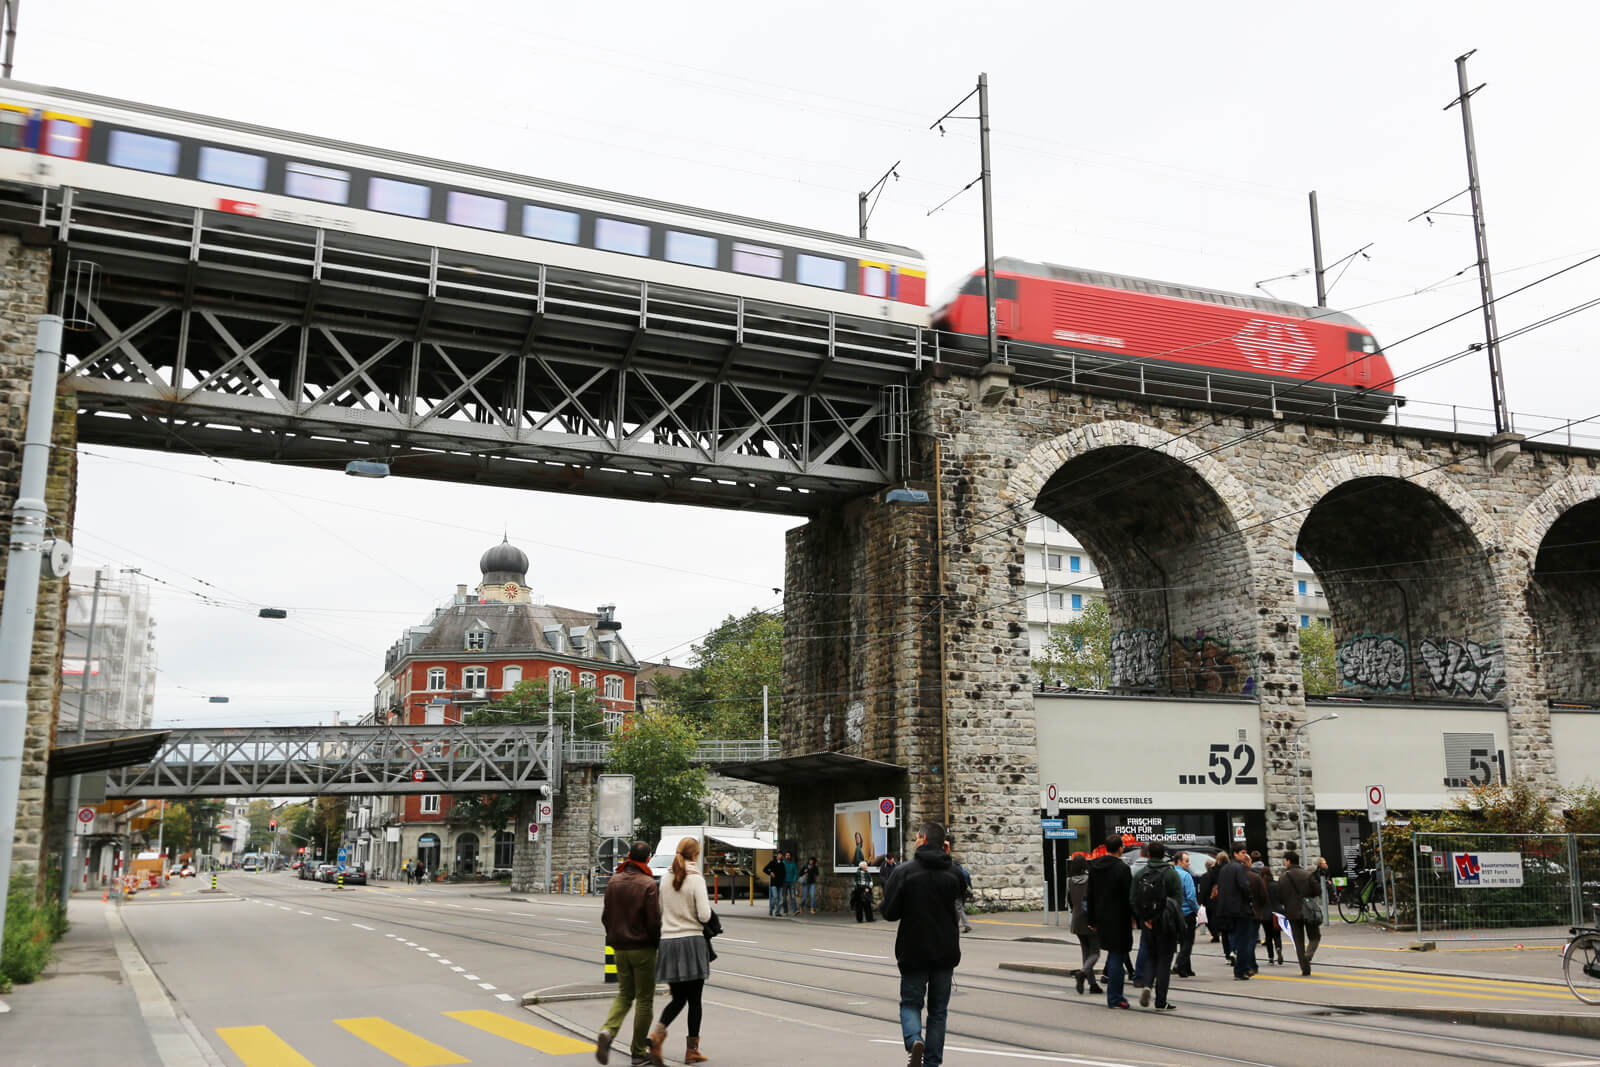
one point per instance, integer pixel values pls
(658, 1037)
(692, 1053)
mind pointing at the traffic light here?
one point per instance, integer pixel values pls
(302, 850)
(273, 824)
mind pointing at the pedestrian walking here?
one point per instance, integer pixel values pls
(1183, 966)
(1110, 914)
(1088, 940)
(1205, 889)
(808, 884)
(1261, 908)
(774, 870)
(631, 916)
(1271, 932)
(1237, 910)
(922, 895)
(861, 893)
(1302, 906)
(791, 884)
(684, 958)
(1156, 897)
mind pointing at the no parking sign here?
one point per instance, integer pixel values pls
(886, 811)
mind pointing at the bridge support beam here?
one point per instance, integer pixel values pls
(24, 291)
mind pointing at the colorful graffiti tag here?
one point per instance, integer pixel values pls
(1208, 664)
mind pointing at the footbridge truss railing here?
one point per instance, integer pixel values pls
(233, 336)
(312, 760)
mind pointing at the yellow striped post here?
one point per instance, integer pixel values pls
(611, 965)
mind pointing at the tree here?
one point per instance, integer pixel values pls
(177, 829)
(260, 813)
(203, 818)
(1078, 653)
(721, 694)
(657, 748)
(1318, 660)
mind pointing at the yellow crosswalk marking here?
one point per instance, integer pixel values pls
(522, 1033)
(258, 1046)
(403, 1045)
(1368, 984)
(1488, 985)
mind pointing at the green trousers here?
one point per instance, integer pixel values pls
(636, 987)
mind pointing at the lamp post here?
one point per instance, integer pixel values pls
(1300, 779)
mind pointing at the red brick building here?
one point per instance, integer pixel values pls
(471, 651)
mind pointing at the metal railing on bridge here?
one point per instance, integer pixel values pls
(712, 752)
(312, 760)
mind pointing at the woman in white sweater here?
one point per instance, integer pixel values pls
(684, 960)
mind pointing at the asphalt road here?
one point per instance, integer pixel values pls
(282, 973)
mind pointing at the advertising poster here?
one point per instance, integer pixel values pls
(857, 836)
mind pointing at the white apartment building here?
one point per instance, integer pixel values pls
(1063, 580)
(121, 665)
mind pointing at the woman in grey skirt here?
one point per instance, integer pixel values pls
(684, 959)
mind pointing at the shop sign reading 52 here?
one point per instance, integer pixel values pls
(1229, 765)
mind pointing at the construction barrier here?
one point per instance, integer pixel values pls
(611, 965)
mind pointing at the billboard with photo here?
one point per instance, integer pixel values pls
(857, 836)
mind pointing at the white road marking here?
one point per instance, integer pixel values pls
(445, 962)
(458, 970)
(859, 955)
(504, 996)
(739, 940)
(330, 918)
(559, 919)
(485, 985)
(433, 955)
(1045, 1057)
(305, 913)
(470, 977)
(458, 907)
(482, 909)
(358, 926)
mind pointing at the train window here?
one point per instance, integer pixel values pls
(310, 182)
(140, 151)
(396, 197)
(875, 282)
(64, 138)
(692, 248)
(549, 224)
(13, 129)
(758, 260)
(614, 235)
(814, 270)
(470, 209)
(1361, 342)
(224, 166)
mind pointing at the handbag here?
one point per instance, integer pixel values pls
(1311, 910)
(711, 928)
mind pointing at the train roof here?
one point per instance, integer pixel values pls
(459, 168)
(1173, 290)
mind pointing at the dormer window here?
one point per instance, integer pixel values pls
(477, 640)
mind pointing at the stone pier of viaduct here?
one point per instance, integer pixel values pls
(905, 624)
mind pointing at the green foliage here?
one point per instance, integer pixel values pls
(576, 710)
(1319, 660)
(259, 813)
(721, 694)
(1581, 814)
(657, 748)
(177, 828)
(1078, 653)
(31, 928)
(203, 818)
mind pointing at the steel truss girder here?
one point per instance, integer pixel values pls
(242, 337)
(316, 760)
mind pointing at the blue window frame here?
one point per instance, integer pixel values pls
(1305, 620)
(1077, 601)
(1302, 587)
(1075, 563)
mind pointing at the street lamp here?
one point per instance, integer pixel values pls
(1300, 780)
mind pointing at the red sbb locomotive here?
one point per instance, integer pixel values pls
(1180, 341)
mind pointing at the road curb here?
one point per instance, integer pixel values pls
(581, 991)
(174, 1036)
(1567, 1025)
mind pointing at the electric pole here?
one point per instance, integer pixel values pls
(1316, 253)
(984, 176)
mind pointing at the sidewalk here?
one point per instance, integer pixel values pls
(97, 1003)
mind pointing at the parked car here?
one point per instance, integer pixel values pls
(324, 872)
(352, 876)
(186, 871)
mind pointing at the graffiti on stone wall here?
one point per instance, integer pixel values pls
(1210, 664)
(1374, 661)
(1135, 658)
(855, 722)
(1464, 668)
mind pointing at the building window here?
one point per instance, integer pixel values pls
(1077, 601)
(1305, 620)
(505, 843)
(560, 679)
(586, 680)
(1075, 563)
(1058, 600)
(477, 640)
(436, 678)
(615, 720)
(510, 677)
(475, 678)
(433, 714)
(430, 803)
(614, 689)
(1302, 585)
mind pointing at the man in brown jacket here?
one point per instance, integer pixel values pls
(1300, 885)
(632, 918)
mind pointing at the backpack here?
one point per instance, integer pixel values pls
(1150, 894)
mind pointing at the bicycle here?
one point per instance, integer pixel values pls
(1355, 897)
(1580, 963)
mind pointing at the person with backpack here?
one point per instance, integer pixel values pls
(1156, 897)
(1302, 906)
(1088, 940)
(1109, 914)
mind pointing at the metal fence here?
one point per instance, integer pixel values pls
(1467, 881)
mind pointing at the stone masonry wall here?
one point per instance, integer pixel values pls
(24, 286)
(732, 802)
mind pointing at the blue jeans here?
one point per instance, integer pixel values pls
(935, 985)
(1244, 947)
(789, 898)
(810, 891)
(774, 898)
(1116, 963)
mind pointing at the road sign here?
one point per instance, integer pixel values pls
(342, 857)
(1050, 824)
(1377, 805)
(1060, 835)
(85, 815)
(533, 831)
(546, 810)
(1052, 799)
(886, 812)
(614, 805)
(418, 775)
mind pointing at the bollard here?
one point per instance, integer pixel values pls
(611, 965)
(213, 881)
(341, 880)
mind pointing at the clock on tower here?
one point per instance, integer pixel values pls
(512, 589)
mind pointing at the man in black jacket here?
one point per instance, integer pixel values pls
(776, 875)
(1110, 914)
(922, 894)
(1235, 903)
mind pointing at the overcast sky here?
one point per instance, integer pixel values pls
(1173, 141)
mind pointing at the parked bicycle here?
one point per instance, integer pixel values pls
(1580, 963)
(1358, 895)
